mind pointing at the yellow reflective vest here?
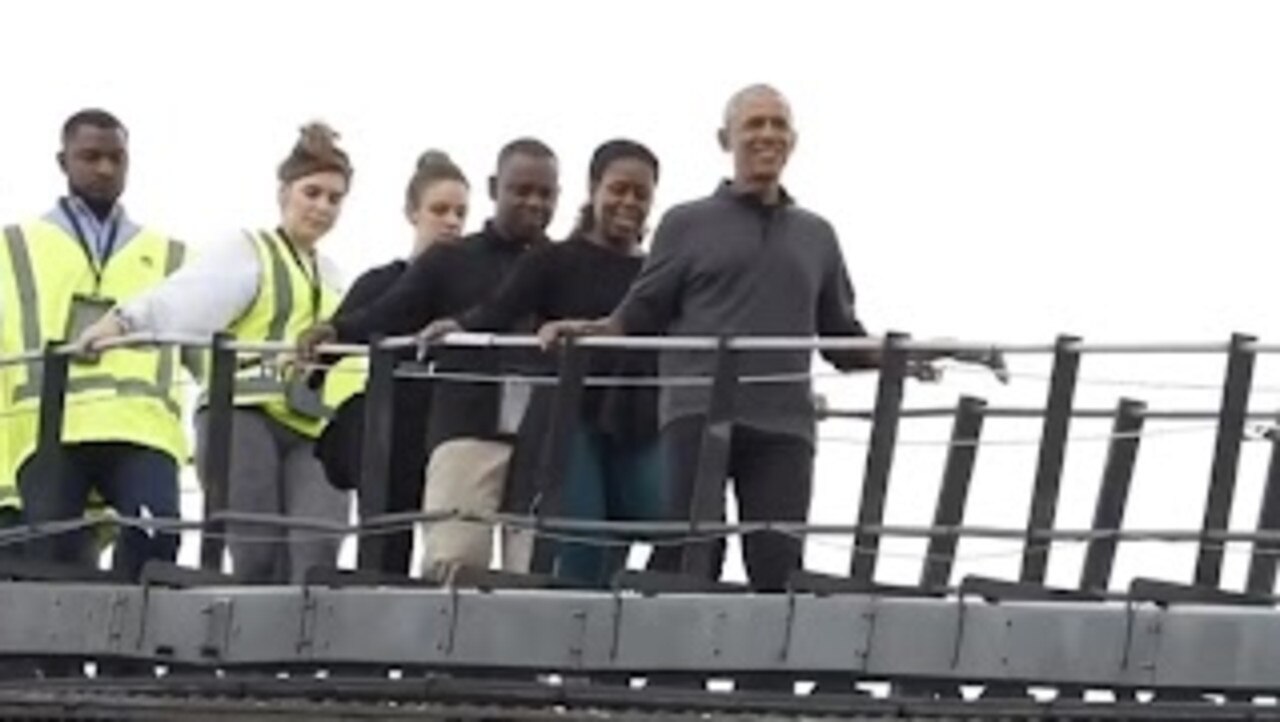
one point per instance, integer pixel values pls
(292, 297)
(127, 395)
(8, 470)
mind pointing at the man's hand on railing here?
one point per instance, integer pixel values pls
(89, 345)
(993, 359)
(435, 331)
(312, 339)
(553, 332)
(438, 329)
(923, 370)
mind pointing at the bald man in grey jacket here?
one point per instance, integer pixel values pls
(744, 261)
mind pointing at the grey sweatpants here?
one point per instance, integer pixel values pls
(273, 471)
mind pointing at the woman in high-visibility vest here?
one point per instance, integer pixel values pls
(266, 285)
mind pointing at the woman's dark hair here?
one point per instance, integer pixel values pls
(433, 166)
(316, 151)
(604, 156)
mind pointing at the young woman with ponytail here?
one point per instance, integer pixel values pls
(436, 205)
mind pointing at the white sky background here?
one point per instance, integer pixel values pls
(996, 170)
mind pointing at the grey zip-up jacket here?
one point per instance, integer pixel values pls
(731, 265)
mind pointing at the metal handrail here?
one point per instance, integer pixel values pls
(674, 343)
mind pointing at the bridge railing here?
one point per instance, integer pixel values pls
(867, 526)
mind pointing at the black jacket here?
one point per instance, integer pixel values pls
(445, 281)
(339, 446)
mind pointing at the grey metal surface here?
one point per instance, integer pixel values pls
(40, 619)
(720, 632)
(1102, 644)
(394, 626)
(920, 635)
(531, 629)
(231, 625)
(1031, 641)
(830, 632)
(1218, 647)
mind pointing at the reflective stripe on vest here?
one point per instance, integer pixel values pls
(29, 313)
(291, 297)
(281, 310)
(283, 283)
(254, 375)
(28, 308)
(8, 465)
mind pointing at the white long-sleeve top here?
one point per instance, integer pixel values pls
(210, 291)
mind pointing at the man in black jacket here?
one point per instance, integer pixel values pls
(469, 447)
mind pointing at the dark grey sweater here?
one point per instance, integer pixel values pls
(729, 264)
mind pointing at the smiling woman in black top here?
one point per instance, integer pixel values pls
(613, 470)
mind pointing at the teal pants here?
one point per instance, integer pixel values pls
(607, 480)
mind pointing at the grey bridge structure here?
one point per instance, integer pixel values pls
(361, 644)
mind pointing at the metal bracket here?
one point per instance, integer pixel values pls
(578, 642)
(870, 616)
(144, 613)
(117, 620)
(784, 652)
(615, 638)
(718, 625)
(1006, 646)
(1144, 645)
(307, 624)
(450, 622)
(217, 627)
(962, 610)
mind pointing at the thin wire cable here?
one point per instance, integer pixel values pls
(657, 529)
(318, 530)
(1111, 381)
(1034, 440)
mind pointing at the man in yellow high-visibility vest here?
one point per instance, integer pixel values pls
(122, 435)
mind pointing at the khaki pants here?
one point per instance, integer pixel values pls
(468, 475)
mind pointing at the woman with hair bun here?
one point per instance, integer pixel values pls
(266, 285)
(435, 201)
(435, 204)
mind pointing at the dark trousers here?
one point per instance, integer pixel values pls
(341, 450)
(406, 478)
(134, 480)
(772, 481)
(9, 519)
